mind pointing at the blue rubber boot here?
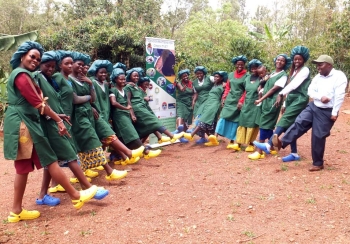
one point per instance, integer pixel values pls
(183, 140)
(290, 158)
(202, 140)
(261, 146)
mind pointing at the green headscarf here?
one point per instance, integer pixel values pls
(99, 64)
(239, 58)
(223, 74)
(254, 63)
(201, 68)
(181, 72)
(120, 65)
(288, 61)
(49, 56)
(82, 57)
(302, 51)
(143, 79)
(115, 73)
(22, 50)
(62, 54)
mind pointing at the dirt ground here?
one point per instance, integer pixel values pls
(194, 194)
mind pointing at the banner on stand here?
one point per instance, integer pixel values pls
(160, 61)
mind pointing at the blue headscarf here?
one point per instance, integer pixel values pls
(143, 79)
(99, 64)
(181, 72)
(302, 51)
(62, 54)
(115, 73)
(82, 57)
(239, 58)
(120, 65)
(22, 50)
(288, 61)
(130, 71)
(223, 74)
(254, 63)
(49, 56)
(201, 68)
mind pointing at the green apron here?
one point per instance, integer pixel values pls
(146, 122)
(66, 92)
(203, 92)
(269, 113)
(296, 101)
(19, 109)
(184, 104)
(212, 105)
(102, 100)
(249, 110)
(83, 122)
(63, 146)
(122, 122)
(146, 103)
(230, 111)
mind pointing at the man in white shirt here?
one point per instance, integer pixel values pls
(327, 90)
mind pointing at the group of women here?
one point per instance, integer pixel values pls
(62, 112)
(57, 116)
(251, 101)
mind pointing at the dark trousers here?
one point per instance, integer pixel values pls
(279, 130)
(320, 121)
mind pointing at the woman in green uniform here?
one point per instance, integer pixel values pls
(145, 122)
(88, 135)
(297, 99)
(63, 146)
(24, 140)
(248, 130)
(210, 111)
(184, 98)
(269, 112)
(122, 123)
(229, 116)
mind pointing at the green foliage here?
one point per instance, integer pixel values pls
(11, 42)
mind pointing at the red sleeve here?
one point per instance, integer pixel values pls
(26, 90)
(227, 89)
(241, 100)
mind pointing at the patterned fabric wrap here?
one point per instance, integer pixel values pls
(92, 158)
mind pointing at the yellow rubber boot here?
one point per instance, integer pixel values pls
(213, 141)
(116, 175)
(152, 154)
(24, 215)
(249, 148)
(85, 196)
(90, 173)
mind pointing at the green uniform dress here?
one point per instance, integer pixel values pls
(230, 111)
(146, 103)
(146, 122)
(63, 146)
(18, 110)
(296, 101)
(184, 104)
(122, 122)
(83, 122)
(102, 99)
(66, 93)
(269, 113)
(212, 105)
(249, 110)
(203, 92)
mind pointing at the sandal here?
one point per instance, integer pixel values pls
(48, 200)
(85, 196)
(24, 215)
(57, 188)
(75, 180)
(116, 175)
(101, 193)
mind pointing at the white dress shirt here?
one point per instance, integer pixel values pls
(332, 86)
(297, 80)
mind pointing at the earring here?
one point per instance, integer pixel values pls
(21, 59)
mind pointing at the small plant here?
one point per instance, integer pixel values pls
(250, 234)
(343, 152)
(9, 233)
(247, 168)
(45, 233)
(296, 163)
(26, 225)
(311, 200)
(230, 217)
(5, 221)
(93, 213)
(85, 233)
(284, 167)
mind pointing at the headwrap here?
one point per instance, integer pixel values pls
(120, 65)
(130, 71)
(239, 58)
(62, 54)
(49, 56)
(254, 63)
(223, 74)
(82, 57)
(23, 49)
(288, 61)
(300, 50)
(99, 64)
(115, 73)
(140, 71)
(201, 68)
(184, 71)
(143, 79)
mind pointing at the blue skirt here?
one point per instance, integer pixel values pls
(227, 129)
